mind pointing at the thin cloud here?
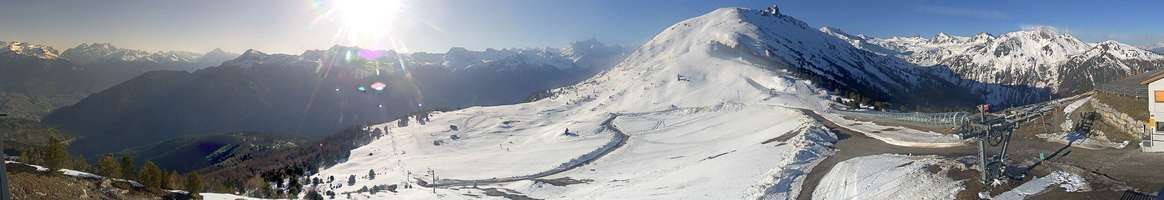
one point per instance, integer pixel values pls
(962, 12)
(1037, 27)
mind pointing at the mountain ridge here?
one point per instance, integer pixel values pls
(1038, 58)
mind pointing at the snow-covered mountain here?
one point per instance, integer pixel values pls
(256, 57)
(696, 98)
(579, 56)
(835, 61)
(1104, 62)
(1158, 48)
(107, 54)
(1037, 58)
(94, 53)
(36, 78)
(463, 59)
(87, 53)
(24, 49)
(592, 53)
(215, 57)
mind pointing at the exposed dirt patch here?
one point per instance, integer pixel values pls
(1137, 108)
(564, 181)
(971, 182)
(506, 193)
(933, 169)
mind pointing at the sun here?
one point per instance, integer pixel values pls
(361, 20)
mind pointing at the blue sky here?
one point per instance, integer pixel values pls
(291, 26)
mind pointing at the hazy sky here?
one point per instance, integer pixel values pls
(291, 26)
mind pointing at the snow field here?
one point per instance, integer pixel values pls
(891, 176)
(1068, 181)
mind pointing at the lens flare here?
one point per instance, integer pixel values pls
(369, 54)
(378, 86)
(373, 24)
(361, 21)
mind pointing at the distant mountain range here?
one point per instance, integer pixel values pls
(1040, 58)
(318, 92)
(105, 53)
(1158, 48)
(38, 78)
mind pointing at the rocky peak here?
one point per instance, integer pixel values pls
(1119, 51)
(252, 54)
(983, 37)
(942, 37)
(24, 49)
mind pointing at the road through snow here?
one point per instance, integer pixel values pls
(617, 141)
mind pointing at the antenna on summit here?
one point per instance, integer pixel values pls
(772, 10)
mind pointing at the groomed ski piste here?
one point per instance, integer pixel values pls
(687, 116)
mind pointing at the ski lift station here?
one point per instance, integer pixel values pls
(1154, 140)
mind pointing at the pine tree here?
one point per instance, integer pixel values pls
(80, 164)
(352, 180)
(371, 174)
(294, 187)
(166, 184)
(265, 188)
(170, 180)
(151, 175)
(313, 195)
(177, 181)
(128, 171)
(109, 167)
(257, 185)
(26, 156)
(56, 156)
(402, 122)
(156, 174)
(143, 177)
(194, 184)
